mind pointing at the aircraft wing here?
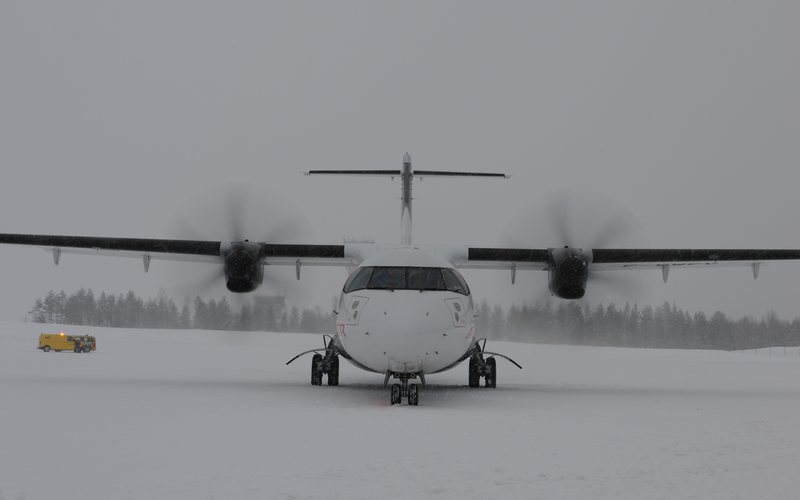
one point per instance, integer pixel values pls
(502, 258)
(607, 258)
(180, 250)
(631, 258)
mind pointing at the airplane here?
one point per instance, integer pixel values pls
(405, 311)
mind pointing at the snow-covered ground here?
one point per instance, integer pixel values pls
(200, 415)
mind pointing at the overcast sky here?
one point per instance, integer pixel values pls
(125, 118)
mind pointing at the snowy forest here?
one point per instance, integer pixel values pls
(558, 322)
(256, 313)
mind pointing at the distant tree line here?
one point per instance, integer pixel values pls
(256, 313)
(565, 322)
(666, 326)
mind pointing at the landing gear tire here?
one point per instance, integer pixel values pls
(316, 373)
(333, 372)
(491, 373)
(413, 395)
(474, 374)
(396, 394)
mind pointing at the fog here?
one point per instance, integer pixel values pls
(124, 119)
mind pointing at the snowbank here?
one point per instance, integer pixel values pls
(196, 414)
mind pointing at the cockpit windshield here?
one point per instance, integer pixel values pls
(387, 277)
(407, 278)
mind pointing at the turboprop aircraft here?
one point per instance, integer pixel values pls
(405, 311)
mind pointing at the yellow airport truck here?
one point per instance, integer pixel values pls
(62, 342)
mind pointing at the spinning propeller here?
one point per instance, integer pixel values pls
(579, 223)
(243, 223)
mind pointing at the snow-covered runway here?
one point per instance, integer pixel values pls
(194, 414)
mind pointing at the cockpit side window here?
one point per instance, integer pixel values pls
(358, 280)
(393, 278)
(425, 278)
(454, 281)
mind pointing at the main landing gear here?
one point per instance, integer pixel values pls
(325, 365)
(404, 389)
(486, 368)
(324, 362)
(479, 366)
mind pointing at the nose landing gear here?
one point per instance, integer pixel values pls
(404, 389)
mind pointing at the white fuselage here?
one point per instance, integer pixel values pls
(387, 327)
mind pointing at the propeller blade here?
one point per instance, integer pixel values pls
(618, 227)
(235, 210)
(291, 229)
(558, 210)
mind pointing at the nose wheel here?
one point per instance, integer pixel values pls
(404, 389)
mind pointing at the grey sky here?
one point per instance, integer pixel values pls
(116, 116)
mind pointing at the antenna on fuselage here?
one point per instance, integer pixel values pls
(406, 175)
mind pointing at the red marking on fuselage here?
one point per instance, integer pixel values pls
(340, 326)
(470, 333)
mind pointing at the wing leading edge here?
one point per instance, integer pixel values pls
(183, 250)
(607, 258)
(633, 258)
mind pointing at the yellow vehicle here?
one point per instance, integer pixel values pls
(63, 342)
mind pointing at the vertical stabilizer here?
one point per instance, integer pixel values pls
(405, 200)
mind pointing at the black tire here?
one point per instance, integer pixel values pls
(316, 373)
(76, 349)
(333, 372)
(87, 349)
(413, 395)
(474, 376)
(395, 396)
(46, 348)
(491, 373)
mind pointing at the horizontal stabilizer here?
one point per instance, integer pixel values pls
(354, 172)
(444, 173)
(406, 176)
(415, 173)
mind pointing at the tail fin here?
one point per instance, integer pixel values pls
(406, 177)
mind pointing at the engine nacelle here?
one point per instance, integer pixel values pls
(568, 272)
(244, 267)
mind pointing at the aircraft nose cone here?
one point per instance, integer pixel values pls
(406, 331)
(414, 334)
(401, 336)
